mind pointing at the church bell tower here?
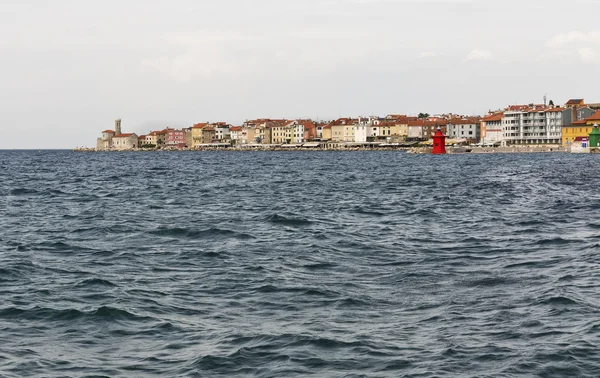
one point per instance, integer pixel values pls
(118, 126)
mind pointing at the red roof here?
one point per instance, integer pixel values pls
(493, 117)
(108, 131)
(236, 128)
(428, 123)
(200, 125)
(575, 101)
(581, 139)
(123, 135)
(459, 121)
(594, 117)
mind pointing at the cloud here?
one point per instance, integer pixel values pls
(478, 54)
(588, 55)
(427, 54)
(574, 37)
(573, 43)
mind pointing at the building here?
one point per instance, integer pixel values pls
(342, 130)
(156, 139)
(326, 132)
(389, 130)
(222, 131)
(580, 129)
(236, 134)
(425, 129)
(125, 141)
(464, 128)
(491, 129)
(319, 130)
(196, 131)
(116, 139)
(307, 130)
(282, 133)
(106, 141)
(209, 134)
(175, 138)
(531, 125)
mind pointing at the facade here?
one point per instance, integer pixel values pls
(248, 135)
(426, 129)
(572, 124)
(327, 132)
(283, 133)
(262, 134)
(361, 132)
(580, 129)
(319, 130)
(236, 133)
(175, 138)
(209, 135)
(468, 129)
(415, 130)
(531, 125)
(222, 132)
(125, 141)
(106, 141)
(309, 130)
(156, 138)
(349, 133)
(389, 130)
(196, 131)
(491, 129)
(337, 133)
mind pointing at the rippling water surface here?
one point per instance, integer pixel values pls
(293, 264)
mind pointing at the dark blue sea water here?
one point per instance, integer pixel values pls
(294, 264)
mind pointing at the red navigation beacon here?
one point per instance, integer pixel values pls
(439, 142)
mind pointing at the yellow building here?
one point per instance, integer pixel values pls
(403, 129)
(581, 128)
(327, 132)
(390, 129)
(197, 133)
(337, 133)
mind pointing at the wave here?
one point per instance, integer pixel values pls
(49, 314)
(210, 233)
(288, 221)
(23, 192)
(92, 282)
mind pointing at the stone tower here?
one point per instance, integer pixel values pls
(118, 126)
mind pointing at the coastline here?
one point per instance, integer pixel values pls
(341, 147)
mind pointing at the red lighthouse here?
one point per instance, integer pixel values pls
(439, 142)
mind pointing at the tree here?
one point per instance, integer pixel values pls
(551, 104)
(423, 115)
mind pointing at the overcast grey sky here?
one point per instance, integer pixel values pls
(70, 67)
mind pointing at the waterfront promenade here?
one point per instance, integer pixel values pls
(348, 147)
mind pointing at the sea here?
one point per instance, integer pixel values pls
(298, 264)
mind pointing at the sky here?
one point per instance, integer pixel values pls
(68, 68)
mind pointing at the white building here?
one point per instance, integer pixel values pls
(361, 130)
(491, 129)
(236, 132)
(464, 129)
(298, 133)
(532, 125)
(222, 132)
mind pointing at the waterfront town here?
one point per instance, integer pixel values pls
(566, 127)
